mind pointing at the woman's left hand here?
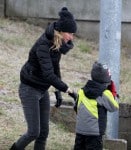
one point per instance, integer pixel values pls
(58, 99)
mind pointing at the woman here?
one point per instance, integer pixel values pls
(40, 72)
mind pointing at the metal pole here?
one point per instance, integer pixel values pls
(109, 50)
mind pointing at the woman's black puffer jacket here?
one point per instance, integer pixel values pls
(42, 67)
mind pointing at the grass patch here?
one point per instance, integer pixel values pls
(1, 111)
(77, 84)
(62, 127)
(84, 47)
(10, 99)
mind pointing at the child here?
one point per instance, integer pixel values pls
(94, 100)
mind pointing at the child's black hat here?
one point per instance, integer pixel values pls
(100, 73)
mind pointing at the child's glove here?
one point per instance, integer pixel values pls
(75, 106)
(73, 95)
(112, 88)
(58, 98)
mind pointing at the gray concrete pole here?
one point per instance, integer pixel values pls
(109, 50)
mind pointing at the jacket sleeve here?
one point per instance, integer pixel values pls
(107, 100)
(57, 70)
(47, 68)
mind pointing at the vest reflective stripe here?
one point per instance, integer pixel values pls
(90, 104)
(108, 94)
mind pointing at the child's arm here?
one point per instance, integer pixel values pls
(112, 88)
(75, 106)
(107, 100)
(75, 97)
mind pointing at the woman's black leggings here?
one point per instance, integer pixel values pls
(36, 107)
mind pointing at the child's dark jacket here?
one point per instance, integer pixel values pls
(94, 100)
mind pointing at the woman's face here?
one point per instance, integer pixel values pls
(67, 36)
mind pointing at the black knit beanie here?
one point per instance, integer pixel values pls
(100, 73)
(66, 22)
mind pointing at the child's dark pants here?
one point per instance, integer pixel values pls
(85, 142)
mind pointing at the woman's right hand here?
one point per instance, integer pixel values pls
(72, 94)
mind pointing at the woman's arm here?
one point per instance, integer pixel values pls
(48, 69)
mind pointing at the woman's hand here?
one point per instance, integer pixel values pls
(58, 99)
